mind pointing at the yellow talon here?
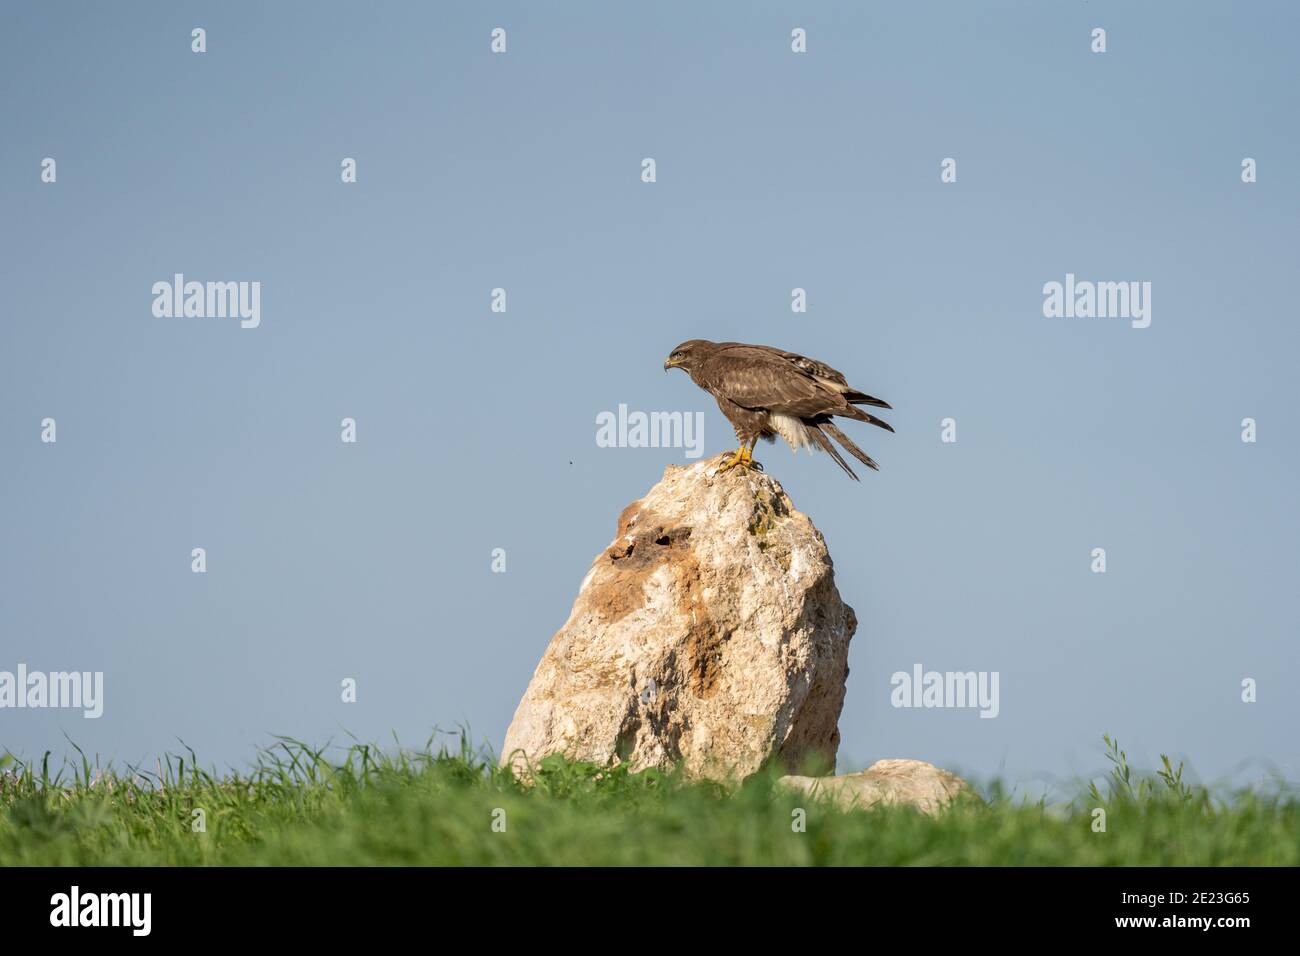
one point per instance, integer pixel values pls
(743, 456)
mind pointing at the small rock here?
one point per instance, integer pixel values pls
(888, 782)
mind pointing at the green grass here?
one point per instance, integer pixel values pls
(437, 806)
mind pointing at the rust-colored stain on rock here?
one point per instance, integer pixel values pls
(642, 547)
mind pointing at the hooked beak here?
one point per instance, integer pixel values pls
(669, 363)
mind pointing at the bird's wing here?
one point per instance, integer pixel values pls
(815, 368)
(757, 377)
(831, 378)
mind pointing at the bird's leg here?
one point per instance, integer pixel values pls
(737, 459)
(744, 456)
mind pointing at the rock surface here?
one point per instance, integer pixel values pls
(710, 633)
(889, 782)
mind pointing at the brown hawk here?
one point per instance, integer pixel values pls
(765, 392)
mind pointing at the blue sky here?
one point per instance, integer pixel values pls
(477, 429)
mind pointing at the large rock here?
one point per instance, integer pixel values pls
(709, 634)
(887, 782)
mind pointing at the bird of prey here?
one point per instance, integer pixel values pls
(765, 392)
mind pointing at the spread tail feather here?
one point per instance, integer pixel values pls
(851, 448)
(814, 430)
(858, 414)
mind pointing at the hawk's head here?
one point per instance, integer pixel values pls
(688, 354)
